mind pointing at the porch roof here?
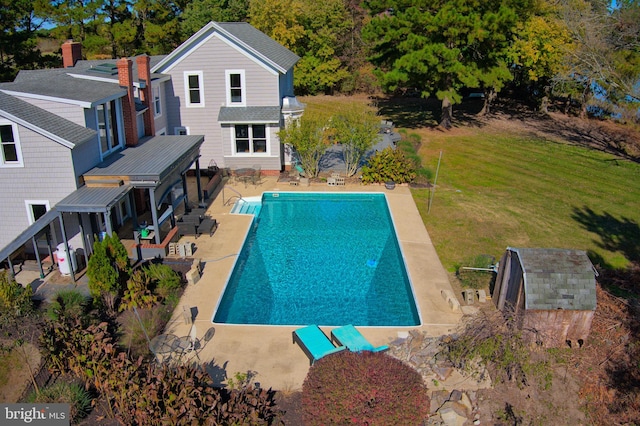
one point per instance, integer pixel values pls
(150, 161)
(32, 231)
(92, 199)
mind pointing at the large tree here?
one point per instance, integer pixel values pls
(198, 13)
(603, 63)
(441, 47)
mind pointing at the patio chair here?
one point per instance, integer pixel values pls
(314, 343)
(354, 340)
(256, 178)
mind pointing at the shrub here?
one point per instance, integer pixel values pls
(75, 395)
(138, 293)
(363, 388)
(15, 300)
(165, 279)
(67, 303)
(388, 165)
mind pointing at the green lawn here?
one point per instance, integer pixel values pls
(500, 189)
(496, 190)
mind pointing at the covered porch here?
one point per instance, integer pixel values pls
(135, 192)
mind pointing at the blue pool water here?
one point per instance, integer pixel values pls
(320, 258)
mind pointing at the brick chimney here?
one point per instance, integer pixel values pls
(128, 102)
(71, 53)
(146, 94)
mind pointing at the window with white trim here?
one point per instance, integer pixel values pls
(236, 88)
(250, 139)
(157, 108)
(36, 209)
(11, 152)
(194, 88)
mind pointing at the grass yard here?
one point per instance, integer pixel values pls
(506, 185)
(497, 189)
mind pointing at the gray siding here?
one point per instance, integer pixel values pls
(213, 58)
(270, 162)
(73, 113)
(47, 175)
(162, 121)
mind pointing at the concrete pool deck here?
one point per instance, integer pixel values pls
(269, 350)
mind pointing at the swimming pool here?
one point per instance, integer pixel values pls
(320, 258)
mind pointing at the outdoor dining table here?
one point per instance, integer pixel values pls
(163, 344)
(245, 174)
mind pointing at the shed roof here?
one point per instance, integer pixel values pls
(557, 279)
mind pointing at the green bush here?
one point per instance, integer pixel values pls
(67, 303)
(15, 300)
(388, 165)
(78, 398)
(363, 388)
(166, 280)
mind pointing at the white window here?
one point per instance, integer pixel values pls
(108, 119)
(236, 88)
(250, 139)
(11, 152)
(157, 108)
(194, 88)
(181, 131)
(36, 209)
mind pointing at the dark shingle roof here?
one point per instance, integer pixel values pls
(268, 114)
(254, 42)
(44, 122)
(557, 279)
(261, 42)
(57, 84)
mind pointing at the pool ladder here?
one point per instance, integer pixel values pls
(231, 198)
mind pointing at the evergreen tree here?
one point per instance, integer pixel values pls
(441, 47)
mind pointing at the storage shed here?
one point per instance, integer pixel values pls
(552, 292)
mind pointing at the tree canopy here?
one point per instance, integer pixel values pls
(583, 50)
(442, 47)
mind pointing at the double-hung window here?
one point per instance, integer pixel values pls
(250, 139)
(11, 152)
(236, 88)
(194, 88)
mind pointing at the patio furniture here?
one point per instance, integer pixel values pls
(207, 226)
(257, 175)
(187, 228)
(314, 343)
(354, 340)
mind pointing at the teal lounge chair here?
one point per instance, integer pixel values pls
(314, 343)
(353, 340)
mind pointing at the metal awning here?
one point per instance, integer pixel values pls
(249, 115)
(92, 199)
(151, 160)
(32, 231)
